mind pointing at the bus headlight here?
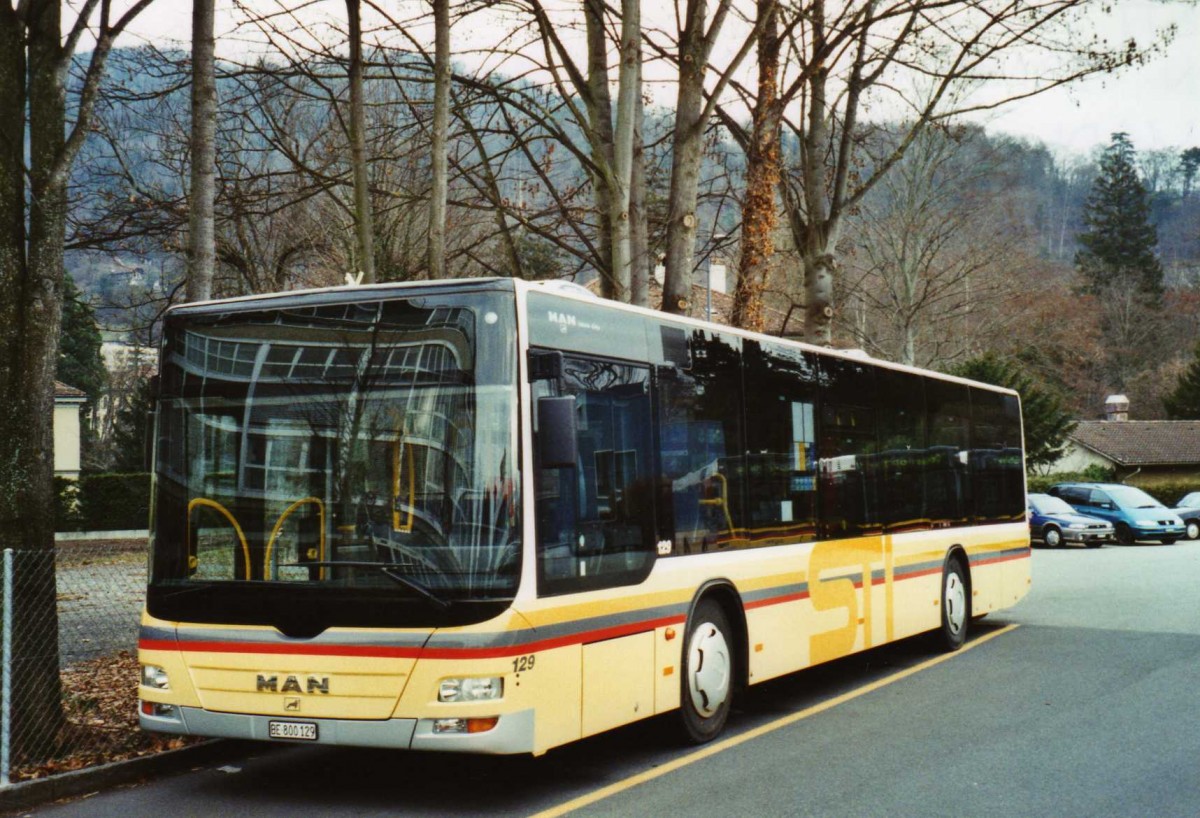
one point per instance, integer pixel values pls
(155, 676)
(471, 689)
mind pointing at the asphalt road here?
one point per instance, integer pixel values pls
(1082, 700)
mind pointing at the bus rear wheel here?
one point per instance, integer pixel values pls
(707, 682)
(956, 605)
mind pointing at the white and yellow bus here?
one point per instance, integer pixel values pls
(493, 516)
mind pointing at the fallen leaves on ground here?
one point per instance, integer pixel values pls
(100, 706)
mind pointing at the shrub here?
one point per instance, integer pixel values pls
(114, 502)
(66, 505)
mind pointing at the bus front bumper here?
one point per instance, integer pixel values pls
(512, 734)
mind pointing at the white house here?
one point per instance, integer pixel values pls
(1163, 449)
(68, 403)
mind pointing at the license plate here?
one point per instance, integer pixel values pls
(296, 730)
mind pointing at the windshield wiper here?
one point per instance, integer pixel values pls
(414, 586)
(388, 569)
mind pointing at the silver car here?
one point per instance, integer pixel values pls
(1188, 509)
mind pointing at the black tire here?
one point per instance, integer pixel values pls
(1193, 529)
(708, 680)
(956, 605)
(1124, 534)
(1052, 537)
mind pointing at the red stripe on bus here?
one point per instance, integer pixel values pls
(273, 648)
(499, 652)
(503, 651)
(776, 600)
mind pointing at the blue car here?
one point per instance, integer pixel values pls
(1054, 522)
(1134, 514)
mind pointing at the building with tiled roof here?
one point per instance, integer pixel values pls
(1166, 449)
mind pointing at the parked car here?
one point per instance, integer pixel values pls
(1188, 510)
(1054, 522)
(1135, 515)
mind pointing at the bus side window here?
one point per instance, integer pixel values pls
(947, 487)
(997, 468)
(595, 518)
(781, 444)
(902, 450)
(848, 468)
(700, 445)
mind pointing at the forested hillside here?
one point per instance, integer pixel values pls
(966, 246)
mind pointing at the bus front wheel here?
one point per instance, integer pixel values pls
(708, 672)
(956, 605)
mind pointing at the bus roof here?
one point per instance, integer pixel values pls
(561, 289)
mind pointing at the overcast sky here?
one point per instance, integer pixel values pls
(1158, 105)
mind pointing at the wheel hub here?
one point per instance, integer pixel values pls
(956, 602)
(709, 668)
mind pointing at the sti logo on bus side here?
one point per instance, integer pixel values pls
(315, 684)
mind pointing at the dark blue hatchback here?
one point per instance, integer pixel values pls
(1054, 522)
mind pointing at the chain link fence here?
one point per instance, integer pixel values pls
(70, 625)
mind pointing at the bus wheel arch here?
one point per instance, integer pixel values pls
(955, 599)
(713, 662)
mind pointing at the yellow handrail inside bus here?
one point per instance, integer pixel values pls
(721, 500)
(407, 526)
(279, 526)
(204, 501)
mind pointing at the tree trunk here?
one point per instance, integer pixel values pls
(30, 355)
(600, 124)
(641, 265)
(438, 144)
(629, 89)
(363, 229)
(687, 147)
(759, 212)
(34, 64)
(818, 290)
(820, 235)
(201, 246)
(12, 196)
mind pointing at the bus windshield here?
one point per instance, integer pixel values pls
(366, 450)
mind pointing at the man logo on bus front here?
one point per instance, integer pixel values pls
(270, 684)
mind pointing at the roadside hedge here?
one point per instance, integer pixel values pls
(103, 502)
(66, 505)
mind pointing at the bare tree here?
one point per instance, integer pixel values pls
(935, 259)
(759, 211)
(35, 62)
(202, 194)
(935, 59)
(696, 40)
(437, 145)
(358, 149)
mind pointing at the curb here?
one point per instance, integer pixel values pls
(94, 536)
(25, 794)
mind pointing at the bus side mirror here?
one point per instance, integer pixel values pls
(557, 448)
